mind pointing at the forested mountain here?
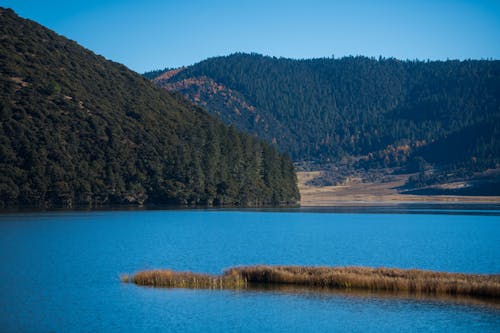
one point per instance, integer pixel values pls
(79, 129)
(384, 112)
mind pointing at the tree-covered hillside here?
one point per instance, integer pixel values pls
(385, 111)
(79, 129)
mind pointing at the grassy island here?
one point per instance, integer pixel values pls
(374, 279)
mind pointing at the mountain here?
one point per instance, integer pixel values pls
(378, 112)
(77, 129)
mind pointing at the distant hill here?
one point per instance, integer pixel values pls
(383, 112)
(79, 129)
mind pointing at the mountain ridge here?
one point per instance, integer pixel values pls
(77, 129)
(383, 112)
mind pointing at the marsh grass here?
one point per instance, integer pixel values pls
(172, 279)
(374, 279)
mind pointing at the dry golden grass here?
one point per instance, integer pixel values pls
(171, 279)
(377, 193)
(373, 279)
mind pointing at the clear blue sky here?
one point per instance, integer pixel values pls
(153, 34)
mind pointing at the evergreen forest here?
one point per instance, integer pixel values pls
(381, 113)
(77, 129)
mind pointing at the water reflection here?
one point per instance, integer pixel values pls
(488, 209)
(360, 294)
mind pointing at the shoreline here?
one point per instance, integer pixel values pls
(337, 206)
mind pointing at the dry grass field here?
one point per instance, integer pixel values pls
(356, 192)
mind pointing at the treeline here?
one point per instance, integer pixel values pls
(77, 129)
(388, 111)
(154, 73)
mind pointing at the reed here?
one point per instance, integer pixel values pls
(374, 279)
(172, 279)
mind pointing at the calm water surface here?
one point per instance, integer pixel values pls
(60, 270)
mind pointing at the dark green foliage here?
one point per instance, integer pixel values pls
(386, 111)
(79, 129)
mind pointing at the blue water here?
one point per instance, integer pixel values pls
(60, 271)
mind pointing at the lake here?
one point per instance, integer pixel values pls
(60, 270)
